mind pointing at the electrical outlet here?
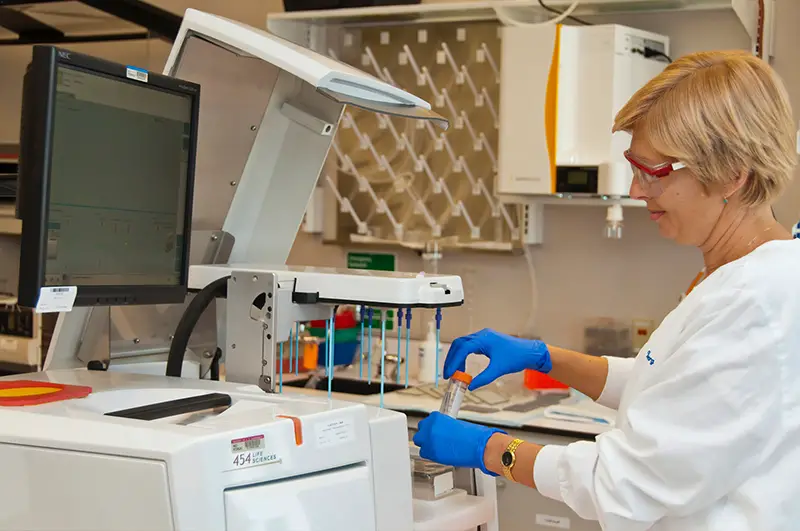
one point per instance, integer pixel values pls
(640, 333)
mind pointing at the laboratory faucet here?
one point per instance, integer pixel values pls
(316, 377)
(391, 359)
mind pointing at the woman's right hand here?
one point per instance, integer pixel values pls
(507, 355)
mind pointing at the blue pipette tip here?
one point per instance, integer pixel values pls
(438, 327)
(369, 347)
(383, 353)
(329, 354)
(280, 370)
(399, 341)
(333, 348)
(297, 349)
(361, 348)
(291, 350)
(408, 338)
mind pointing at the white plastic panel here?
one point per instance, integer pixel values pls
(315, 69)
(56, 490)
(349, 285)
(338, 499)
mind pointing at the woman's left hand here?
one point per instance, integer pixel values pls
(453, 442)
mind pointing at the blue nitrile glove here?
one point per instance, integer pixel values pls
(453, 442)
(507, 355)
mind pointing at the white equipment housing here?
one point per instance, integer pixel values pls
(268, 113)
(269, 110)
(251, 467)
(561, 87)
(328, 285)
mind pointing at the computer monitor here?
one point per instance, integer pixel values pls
(106, 179)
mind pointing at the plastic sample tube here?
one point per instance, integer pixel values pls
(451, 401)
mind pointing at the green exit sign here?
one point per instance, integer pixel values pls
(375, 262)
(372, 261)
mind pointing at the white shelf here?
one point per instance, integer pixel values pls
(568, 200)
(456, 511)
(444, 243)
(485, 10)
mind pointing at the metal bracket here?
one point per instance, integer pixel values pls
(218, 250)
(250, 318)
(260, 315)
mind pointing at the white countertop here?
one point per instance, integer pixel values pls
(533, 420)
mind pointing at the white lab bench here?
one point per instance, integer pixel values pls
(519, 507)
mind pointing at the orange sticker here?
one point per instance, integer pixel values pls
(14, 393)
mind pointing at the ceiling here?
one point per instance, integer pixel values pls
(65, 21)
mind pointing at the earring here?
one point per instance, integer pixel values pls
(724, 200)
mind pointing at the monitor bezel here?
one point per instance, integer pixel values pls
(33, 198)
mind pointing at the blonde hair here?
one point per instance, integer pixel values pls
(724, 114)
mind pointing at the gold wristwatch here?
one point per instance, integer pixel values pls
(509, 458)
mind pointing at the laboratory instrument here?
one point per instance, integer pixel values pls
(454, 396)
(141, 206)
(180, 453)
(579, 77)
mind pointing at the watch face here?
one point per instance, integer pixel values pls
(507, 459)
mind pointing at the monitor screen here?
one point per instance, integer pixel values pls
(117, 182)
(117, 186)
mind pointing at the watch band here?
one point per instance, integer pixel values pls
(510, 458)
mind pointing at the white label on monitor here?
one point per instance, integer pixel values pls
(558, 522)
(56, 299)
(136, 73)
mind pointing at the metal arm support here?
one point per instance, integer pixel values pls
(260, 316)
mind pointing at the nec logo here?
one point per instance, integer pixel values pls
(64, 55)
(650, 358)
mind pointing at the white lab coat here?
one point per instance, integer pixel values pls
(708, 430)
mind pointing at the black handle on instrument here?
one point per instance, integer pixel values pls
(170, 408)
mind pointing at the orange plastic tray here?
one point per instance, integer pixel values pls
(15, 393)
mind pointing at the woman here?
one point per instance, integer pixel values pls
(708, 427)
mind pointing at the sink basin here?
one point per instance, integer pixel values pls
(352, 386)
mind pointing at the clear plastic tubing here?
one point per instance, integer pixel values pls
(451, 401)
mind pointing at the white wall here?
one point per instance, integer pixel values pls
(579, 274)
